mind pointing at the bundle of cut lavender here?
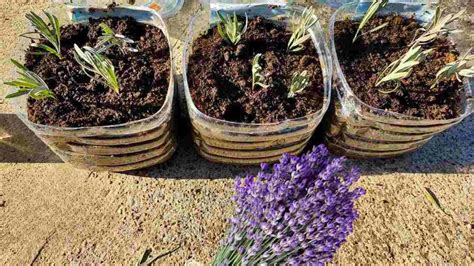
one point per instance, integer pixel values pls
(298, 212)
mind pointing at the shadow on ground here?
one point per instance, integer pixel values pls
(18, 144)
(450, 152)
(187, 164)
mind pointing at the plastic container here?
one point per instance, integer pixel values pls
(338, 3)
(166, 8)
(244, 143)
(122, 147)
(358, 130)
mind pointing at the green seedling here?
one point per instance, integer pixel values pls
(371, 11)
(50, 31)
(230, 29)
(299, 82)
(109, 39)
(93, 63)
(257, 77)
(30, 84)
(300, 29)
(402, 68)
(456, 69)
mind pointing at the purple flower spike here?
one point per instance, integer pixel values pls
(297, 212)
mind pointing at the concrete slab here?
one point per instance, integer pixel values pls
(68, 215)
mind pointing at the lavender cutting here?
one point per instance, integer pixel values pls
(298, 212)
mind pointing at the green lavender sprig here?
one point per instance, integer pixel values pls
(402, 68)
(299, 82)
(437, 27)
(371, 11)
(109, 39)
(94, 63)
(457, 69)
(300, 29)
(257, 77)
(29, 83)
(51, 33)
(230, 29)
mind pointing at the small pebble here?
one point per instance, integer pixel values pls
(226, 56)
(240, 50)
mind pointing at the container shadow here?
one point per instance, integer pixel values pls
(186, 163)
(18, 144)
(450, 152)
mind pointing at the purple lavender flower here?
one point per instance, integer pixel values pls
(300, 211)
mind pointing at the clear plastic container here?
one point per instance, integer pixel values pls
(166, 8)
(244, 143)
(122, 147)
(338, 3)
(358, 130)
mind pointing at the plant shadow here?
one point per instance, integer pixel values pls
(18, 144)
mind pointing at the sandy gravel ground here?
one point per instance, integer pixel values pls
(53, 213)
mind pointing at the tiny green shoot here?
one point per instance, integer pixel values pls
(456, 69)
(436, 27)
(230, 29)
(257, 77)
(50, 32)
(402, 68)
(375, 6)
(300, 27)
(109, 39)
(94, 63)
(299, 82)
(29, 83)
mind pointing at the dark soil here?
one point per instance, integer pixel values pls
(220, 75)
(82, 101)
(363, 60)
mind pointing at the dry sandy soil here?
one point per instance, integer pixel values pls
(53, 213)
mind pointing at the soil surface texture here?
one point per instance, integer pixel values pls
(220, 75)
(364, 60)
(81, 101)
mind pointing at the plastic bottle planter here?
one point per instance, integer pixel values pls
(244, 143)
(357, 130)
(123, 147)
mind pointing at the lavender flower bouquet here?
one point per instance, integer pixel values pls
(299, 212)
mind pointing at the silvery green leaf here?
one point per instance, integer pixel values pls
(93, 62)
(395, 76)
(50, 33)
(456, 69)
(109, 39)
(402, 68)
(300, 28)
(230, 29)
(371, 11)
(299, 82)
(467, 72)
(29, 83)
(18, 93)
(257, 77)
(437, 27)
